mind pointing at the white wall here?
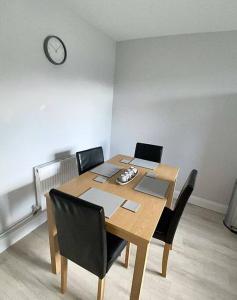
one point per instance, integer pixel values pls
(181, 92)
(46, 110)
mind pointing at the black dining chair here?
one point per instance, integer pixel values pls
(88, 159)
(82, 237)
(148, 152)
(169, 220)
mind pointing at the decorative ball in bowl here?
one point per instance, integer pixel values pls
(127, 176)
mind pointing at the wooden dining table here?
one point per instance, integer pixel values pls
(136, 228)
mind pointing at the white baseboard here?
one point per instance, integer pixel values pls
(208, 204)
(15, 235)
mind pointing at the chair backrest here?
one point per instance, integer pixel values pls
(180, 205)
(81, 232)
(88, 159)
(148, 152)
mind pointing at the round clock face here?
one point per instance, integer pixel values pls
(55, 50)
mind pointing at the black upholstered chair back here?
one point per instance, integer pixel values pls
(88, 159)
(180, 205)
(148, 152)
(81, 232)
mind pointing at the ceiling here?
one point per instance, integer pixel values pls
(132, 19)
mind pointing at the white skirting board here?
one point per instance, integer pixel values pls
(15, 235)
(208, 204)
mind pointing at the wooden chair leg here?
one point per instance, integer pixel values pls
(63, 274)
(101, 287)
(126, 263)
(165, 259)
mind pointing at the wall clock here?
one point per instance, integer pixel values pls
(55, 50)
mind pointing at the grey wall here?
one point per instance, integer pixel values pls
(181, 92)
(47, 110)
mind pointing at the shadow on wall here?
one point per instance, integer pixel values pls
(62, 155)
(197, 132)
(205, 138)
(17, 204)
(218, 159)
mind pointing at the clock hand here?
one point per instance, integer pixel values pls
(52, 46)
(58, 48)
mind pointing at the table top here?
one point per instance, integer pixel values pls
(134, 227)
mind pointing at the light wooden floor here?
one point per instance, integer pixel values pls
(202, 265)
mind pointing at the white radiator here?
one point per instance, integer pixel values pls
(51, 175)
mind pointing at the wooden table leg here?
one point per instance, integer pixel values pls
(127, 254)
(170, 195)
(138, 274)
(53, 241)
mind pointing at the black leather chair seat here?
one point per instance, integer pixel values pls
(115, 246)
(169, 220)
(163, 224)
(82, 237)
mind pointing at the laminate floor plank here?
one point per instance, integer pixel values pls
(202, 265)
